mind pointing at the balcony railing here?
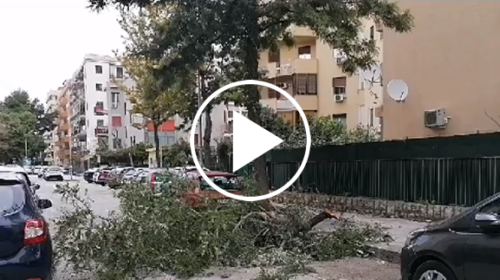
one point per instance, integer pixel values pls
(101, 131)
(297, 66)
(100, 111)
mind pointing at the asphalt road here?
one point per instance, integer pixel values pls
(103, 202)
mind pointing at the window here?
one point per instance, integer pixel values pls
(99, 104)
(115, 97)
(116, 121)
(126, 132)
(305, 52)
(305, 84)
(12, 199)
(230, 113)
(98, 87)
(339, 85)
(98, 69)
(274, 56)
(132, 140)
(224, 117)
(125, 108)
(119, 72)
(341, 118)
(100, 123)
(372, 32)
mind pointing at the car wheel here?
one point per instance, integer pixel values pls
(433, 270)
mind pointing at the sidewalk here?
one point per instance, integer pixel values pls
(398, 229)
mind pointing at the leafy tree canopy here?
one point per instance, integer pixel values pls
(23, 119)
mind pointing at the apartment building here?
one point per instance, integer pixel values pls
(448, 65)
(310, 71)
(63, 126)
(126, 128)
(222, 124)
(51, 103)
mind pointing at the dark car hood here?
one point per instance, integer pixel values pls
(446, 224)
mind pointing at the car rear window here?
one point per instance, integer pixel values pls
(12, 198)
(225, 183)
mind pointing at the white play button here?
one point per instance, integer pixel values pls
(250, 141)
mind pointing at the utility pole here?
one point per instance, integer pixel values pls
(26, 150)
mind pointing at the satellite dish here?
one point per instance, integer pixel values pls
(397, 90)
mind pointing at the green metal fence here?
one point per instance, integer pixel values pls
(442, 181)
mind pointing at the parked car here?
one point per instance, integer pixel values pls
(89, 174)
(37, 170)
(131, 175)
(115, 176)
(42, 172)
(201, 192)
(102, 176)
(25, 241)
(142, 177)
(54, 173)
(460, 248)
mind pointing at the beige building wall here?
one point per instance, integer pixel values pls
(448, 61)
(360, 101)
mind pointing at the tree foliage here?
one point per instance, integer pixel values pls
(250, 26)
(162, 233)
(154, 100)
(23, 119)
(122, 157)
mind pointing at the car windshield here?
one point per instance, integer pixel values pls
(12, 198)
(225, 183)
(54, 169)
(130, 172)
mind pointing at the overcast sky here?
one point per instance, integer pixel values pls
(44, 41)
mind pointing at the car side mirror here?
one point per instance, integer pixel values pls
(487, 221)
(36, 186)
(44, 203)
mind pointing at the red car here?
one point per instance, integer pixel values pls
(202, 191)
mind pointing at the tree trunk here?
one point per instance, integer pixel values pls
(251, 64)
(157, 144)
(207, 137)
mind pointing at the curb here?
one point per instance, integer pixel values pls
(384, 254)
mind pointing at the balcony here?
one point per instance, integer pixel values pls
(100, 111)
(298, 66)
(300, 31)
(64, 126)
(101, 131)
(137, 121)
(306, 102)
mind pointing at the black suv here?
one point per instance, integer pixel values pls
(464, 247)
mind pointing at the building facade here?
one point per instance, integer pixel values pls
(310, 71)
(51, 102)
(125, 128)
(453, 81)
(63, 126)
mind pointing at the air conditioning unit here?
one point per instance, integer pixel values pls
(340, 60)
(282, 85)
(339, 98)
(435, 118)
